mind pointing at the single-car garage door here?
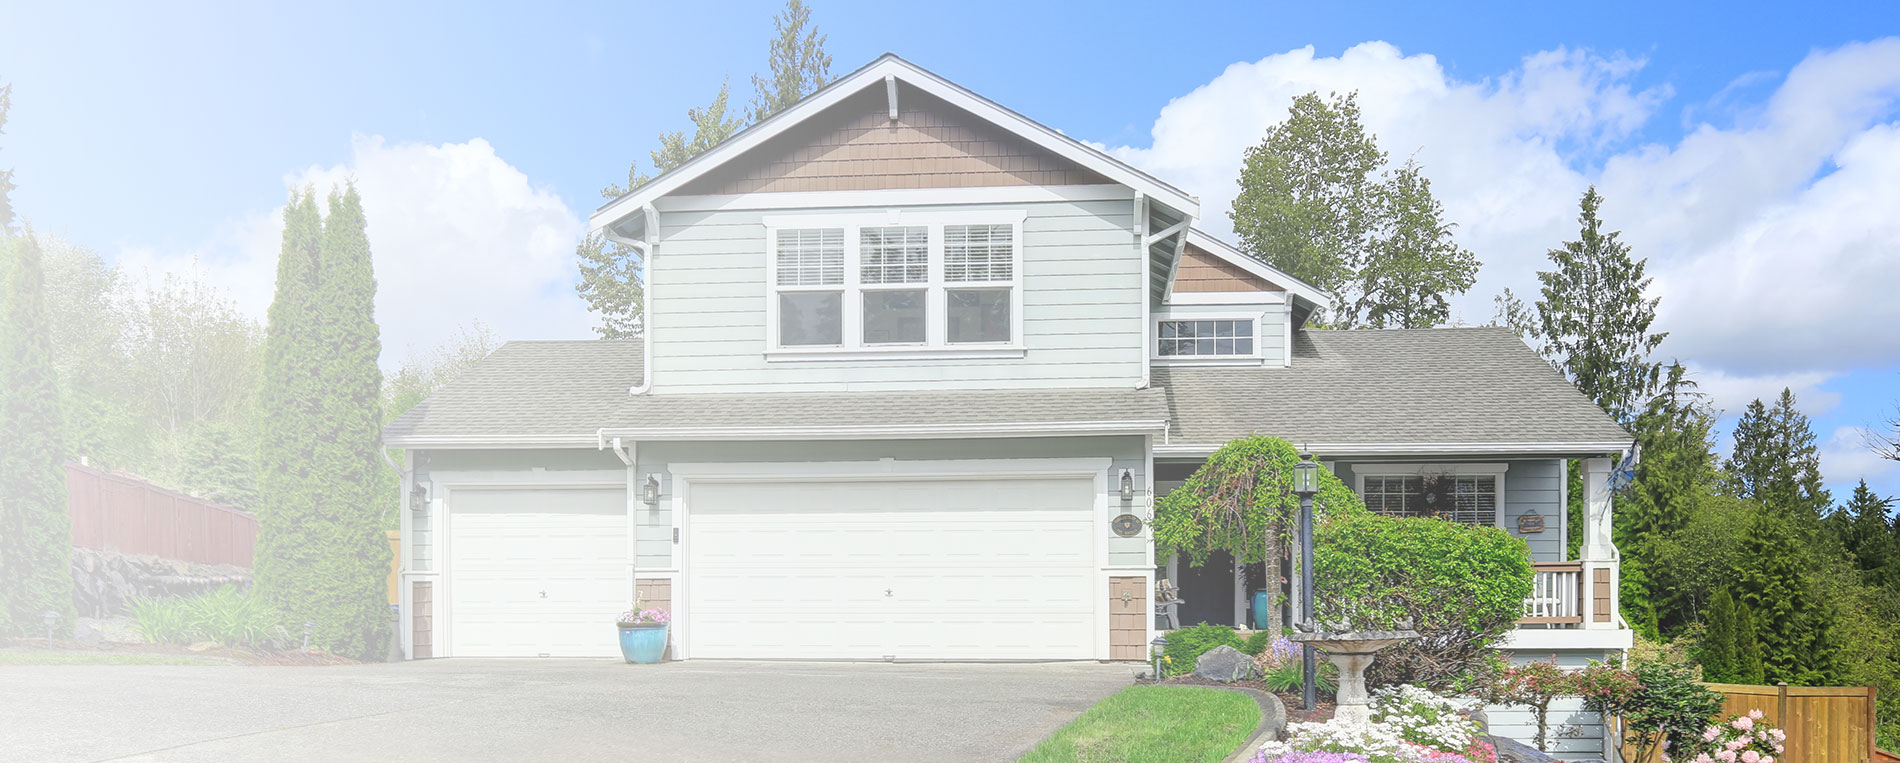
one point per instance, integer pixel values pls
(536, 572)
(995, 568)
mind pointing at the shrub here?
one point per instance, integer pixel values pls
(1666, 705)
(1283, 667)
(1742, 738)
(1460, 586)
(1429, 720)
(1260, 641)
(227, 617)
(1532, 685)
(1188, 644)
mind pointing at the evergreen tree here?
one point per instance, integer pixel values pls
(1674, 432)
(1746, 668)
(1869, 537)
(1718, 642)
(6, 176)
(1307, 198)
(799, 63)
(1772, 583)
(35, 530)
(1776, 461)
(1751, 464)
(353, 564)
(1594, 320)
(1413, 264)
(288, 409)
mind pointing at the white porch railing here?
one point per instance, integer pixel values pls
(1556, 594)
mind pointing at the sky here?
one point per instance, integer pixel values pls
(1750, 151)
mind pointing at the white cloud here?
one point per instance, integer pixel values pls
(1845, 458)
(1731, 393)
(1763, 269)
(458, 236)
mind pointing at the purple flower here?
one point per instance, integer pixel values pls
(1309, 757)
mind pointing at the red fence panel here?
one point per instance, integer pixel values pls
(119, 512)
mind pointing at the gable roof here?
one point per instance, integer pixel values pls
(1459, 391)
(874, 74)
(1206, 242)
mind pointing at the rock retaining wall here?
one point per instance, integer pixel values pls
(103, 581)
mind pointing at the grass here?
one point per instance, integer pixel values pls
(95, 658)
(1154, 724)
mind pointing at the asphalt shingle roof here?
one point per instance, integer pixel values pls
(1416, 386)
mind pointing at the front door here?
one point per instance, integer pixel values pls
(1207, 591)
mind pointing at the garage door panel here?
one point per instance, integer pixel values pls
(536, 571)
(920, 569)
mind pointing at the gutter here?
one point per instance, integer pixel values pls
(1368, 450)
(890, 431)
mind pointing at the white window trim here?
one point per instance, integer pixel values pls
(1154, 341)
(936, 344)
(1362, 471)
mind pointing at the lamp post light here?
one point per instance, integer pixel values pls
(1305, 484)
(306, 634)
(1157, 648)
(52, 618)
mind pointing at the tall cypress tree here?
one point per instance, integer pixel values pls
(1791, 626)
(1674, 432)
(1718, 642)
(353, 563)
(35, 530)
(1746, 668)
(288, 410)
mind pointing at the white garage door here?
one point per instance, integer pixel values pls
(915, 569)
(536, 572)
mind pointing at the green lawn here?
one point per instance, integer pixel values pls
(98, 658)
(1155, 724)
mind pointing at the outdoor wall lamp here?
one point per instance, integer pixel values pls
(650, 492)
(418, 498)
(1128, 485)
(1157, 649)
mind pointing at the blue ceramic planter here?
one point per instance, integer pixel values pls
(643, 644)
(1260, 609)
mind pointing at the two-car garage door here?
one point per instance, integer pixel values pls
(921, 568)
(912, 569)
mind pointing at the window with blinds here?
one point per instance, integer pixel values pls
(978, 253)
(811, 257)
(1472, 500)
(894, 255)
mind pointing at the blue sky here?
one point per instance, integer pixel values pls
(1746, 148)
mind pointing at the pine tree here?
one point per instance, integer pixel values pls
(1413, 264)
(1775, 460)
(1306, 201)
(799, 63)
(1869, 536)
(1593, 319)
(289, 407)
(1746, 668)
(1772, 583)
(1674, 432)
(352, 568)
(1718, 656)
(6, 176)
(1751, 465)
(35, 530)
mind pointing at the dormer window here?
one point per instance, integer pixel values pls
(1182, 339)
(895, 282)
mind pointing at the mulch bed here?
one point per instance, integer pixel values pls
(288, 657)
(1291, 699)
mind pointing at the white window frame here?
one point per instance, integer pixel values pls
(936, 309)
(1154, 340)
(1362, 471)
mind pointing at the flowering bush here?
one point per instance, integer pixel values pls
(1429, 720)
(1533, 685)
(648, 616)
(1282, 668)
(1410, 725)
(1741, 740)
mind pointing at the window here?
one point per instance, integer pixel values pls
(897, 281)
(1205, 338)
(1471, 499)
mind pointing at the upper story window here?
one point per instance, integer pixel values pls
(1205, 338)
(1471, 499)
(895, 282)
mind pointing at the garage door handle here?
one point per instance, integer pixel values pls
(544, 594)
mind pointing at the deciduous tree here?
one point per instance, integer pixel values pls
(799, 63)
(1413, 264)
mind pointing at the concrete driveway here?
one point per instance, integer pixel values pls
(545, 710)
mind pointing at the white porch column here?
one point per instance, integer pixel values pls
(1599, 553)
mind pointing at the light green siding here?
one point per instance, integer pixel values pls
(1573, 732)
(654, 544)
(1083, 282)
(1531, 486)
(1272, 333)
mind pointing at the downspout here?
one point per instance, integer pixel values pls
(645, 247)
(629, 456)
(403, 476)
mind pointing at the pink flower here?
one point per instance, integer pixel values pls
(1767, 759)
(1755, 714)
(1778, 734)
(1751, 757)
(1744, 723)
(1726, 756)
(1704, 758)
(1709, 734)
(1735, 744)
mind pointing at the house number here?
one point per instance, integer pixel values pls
(1530, 523)
(1126, 525)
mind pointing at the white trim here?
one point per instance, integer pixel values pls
(478, 442)
(1362, 470)
(685, 474)
(1286, 325)
(893, 431)
(905, 352)
(852, 289)
(911, 74)
(1207, 243)
(406, 546)
(1544, 639)
(1369, 450)
(893, 197)
(1227, 298)
(1254, 358)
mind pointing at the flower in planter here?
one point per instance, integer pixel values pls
(648, 616)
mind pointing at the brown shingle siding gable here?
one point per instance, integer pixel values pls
(856, 147)
(1203, 272)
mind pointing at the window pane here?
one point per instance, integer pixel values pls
(1243, 346)
(811, 257)
(810, 318)
(894, 317)
(894, 255)
(978, 252)
(978, 315)
(1243, 328)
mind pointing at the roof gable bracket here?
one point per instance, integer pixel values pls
(890, 93)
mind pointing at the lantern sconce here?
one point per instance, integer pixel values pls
(419, 498)
(1128, 485)
(650, 492)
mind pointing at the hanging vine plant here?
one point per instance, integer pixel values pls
(1239, 496)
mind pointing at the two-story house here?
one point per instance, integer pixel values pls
(913, 369)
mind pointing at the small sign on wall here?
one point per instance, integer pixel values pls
(1530, 523)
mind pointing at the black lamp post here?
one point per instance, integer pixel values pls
(1305, 484)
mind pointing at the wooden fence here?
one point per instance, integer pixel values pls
(1825, 724)
(120, 512)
